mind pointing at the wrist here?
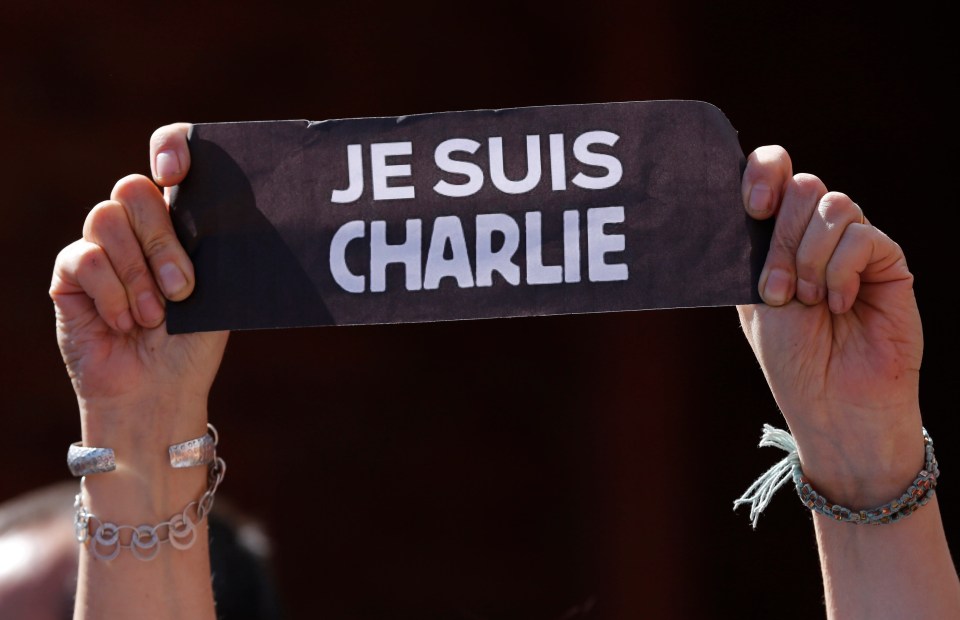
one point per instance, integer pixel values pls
(144, 426)
(864, 464)
(144, 485)
(172, 500)
(133, 496)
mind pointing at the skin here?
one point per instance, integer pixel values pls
(840, 344)
(839, 341)
(139, 390)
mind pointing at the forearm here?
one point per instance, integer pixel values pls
(896, 570)
(145, 489)
(899, 570)
(840, 342)
(140, 390)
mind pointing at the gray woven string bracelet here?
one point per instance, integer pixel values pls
(760, 493)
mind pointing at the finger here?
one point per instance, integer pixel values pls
(150, 219)
(108, 227)
(169, 154)
(747, 314)
(778, 279)
(863, 255)
(833, 214)
(84, 280)
(768, 170)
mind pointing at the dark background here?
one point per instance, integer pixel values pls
(549, 468)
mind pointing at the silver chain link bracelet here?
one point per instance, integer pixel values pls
(105, 540)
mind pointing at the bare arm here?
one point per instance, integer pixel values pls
(840, 343)
(139, 390)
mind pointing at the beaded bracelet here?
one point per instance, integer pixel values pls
(763, 488)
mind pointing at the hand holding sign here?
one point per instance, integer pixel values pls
(839, 342)
(110, 288)
(842, 348)
(139, 389)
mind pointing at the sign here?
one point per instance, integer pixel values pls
(465, 215)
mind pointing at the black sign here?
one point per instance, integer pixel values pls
(465, 215)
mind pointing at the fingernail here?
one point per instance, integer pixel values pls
(168, 164)
(808, 292)
(150, 309)
(171, 279)
(835, 301)
(761, 199)
(776, 289)
(125, 321)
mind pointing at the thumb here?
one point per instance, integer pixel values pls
(170, 154)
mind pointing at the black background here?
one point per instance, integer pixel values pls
(533, 469)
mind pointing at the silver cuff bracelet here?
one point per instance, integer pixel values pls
(195, 452)
(84, 461)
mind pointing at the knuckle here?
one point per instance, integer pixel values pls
(777, 153)
(879, 238)
(835, 271)
(782, 244)
(104, 216)
(156, 243)
(66, 254)
(130, 187)
(133, 272)
(836, 207)
(898, 251)
(89, 259)
(809, 185)
(809, 270)
(771, 153)
(61, 259)
(62, 268)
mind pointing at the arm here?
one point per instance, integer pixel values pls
(139, 389)
(840, 343)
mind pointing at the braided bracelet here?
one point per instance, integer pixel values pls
(105, 540)
(761, 491)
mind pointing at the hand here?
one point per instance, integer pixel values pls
(109, 290)
(839, 338)
(139, 388)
